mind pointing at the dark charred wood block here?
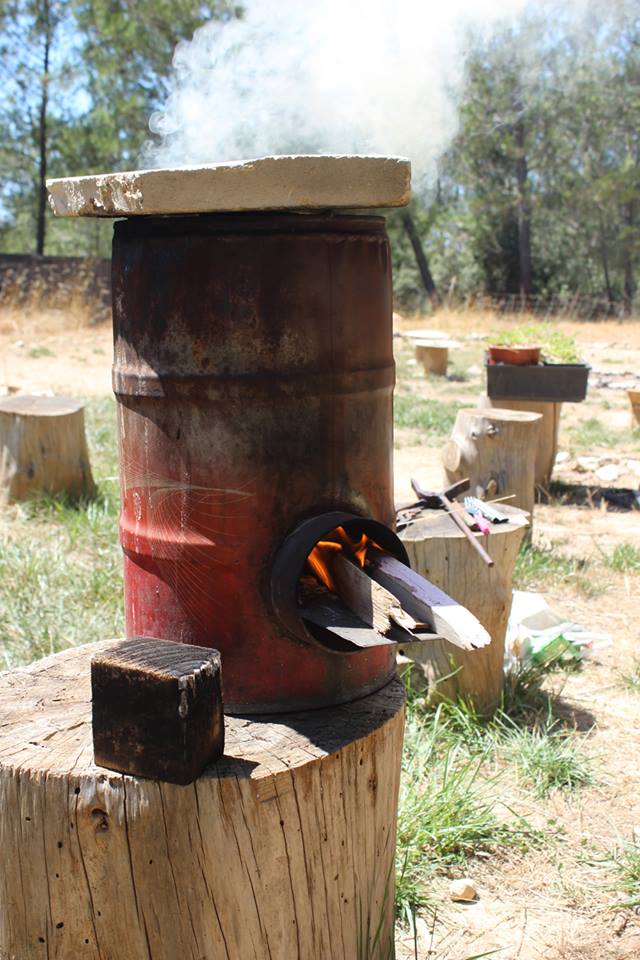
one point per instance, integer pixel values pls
(157, 709)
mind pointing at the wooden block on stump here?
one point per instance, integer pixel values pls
(157, 709)
(43, 447)
(284, 848)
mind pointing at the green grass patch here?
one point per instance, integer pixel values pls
(593, 433)
(450, 807)
(625, 862)
(546, 757)
(37, 352)
(432, 418)
(625, 558)
(60, 561)
(537, 565)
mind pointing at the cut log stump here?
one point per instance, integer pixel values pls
(283, 849)
(42, 447)
(434, 357)
(438, 550)
(547, 439)
(496, 450)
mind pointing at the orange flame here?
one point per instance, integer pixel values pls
(319, 559)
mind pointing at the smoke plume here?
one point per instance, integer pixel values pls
(316, 76)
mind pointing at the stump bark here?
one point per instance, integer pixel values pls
(496, 450)
(43, 447)
(283, 849)
(439, 551)
(547, 440)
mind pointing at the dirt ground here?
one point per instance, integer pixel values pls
(554, 903)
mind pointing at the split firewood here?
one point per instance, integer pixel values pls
(425, 602)
(369, 600)
(319, 608)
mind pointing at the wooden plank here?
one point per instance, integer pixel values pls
(157, 709)
(334, 617)
(425, 602)
(369, 600)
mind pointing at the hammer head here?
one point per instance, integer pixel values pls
(434, 500)
(457, 488)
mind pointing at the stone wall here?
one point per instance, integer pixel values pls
(29, 282)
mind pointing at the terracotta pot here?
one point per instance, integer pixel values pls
(519, 356)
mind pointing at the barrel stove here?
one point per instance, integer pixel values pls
(254, 375)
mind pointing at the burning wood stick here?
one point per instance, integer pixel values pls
(368, 599)
(425, 602)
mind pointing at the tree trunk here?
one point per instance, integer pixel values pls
(604, 256)
(524, 213)
(627, 258)
(547, 439)
(439, 551)
(41, 226)
(421, 259)
(42, 447)
(283, 849)
(496, 450)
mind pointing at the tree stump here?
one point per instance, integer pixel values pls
(496, 449)
(283, 849)
(42, 447)
(547, 442)
(439, 551)
(434, 357)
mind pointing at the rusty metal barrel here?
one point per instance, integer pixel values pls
(254, 375)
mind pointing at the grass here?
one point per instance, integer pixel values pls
(37, 352)
(450, 801)
(594, 433)
(432, 418)
(630, 678)
(625, 558)
(624, 864)
(546, 758)
(60, 563)
(535, 565)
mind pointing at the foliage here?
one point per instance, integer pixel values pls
(557, 346)
(80, 79)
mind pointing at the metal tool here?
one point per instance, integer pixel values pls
(456, 511)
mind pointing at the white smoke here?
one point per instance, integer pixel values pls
(322, 76)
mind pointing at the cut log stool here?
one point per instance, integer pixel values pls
(547, 439)
(434, 355)
(438, 550)
(496, 450)
(283, 849)
(42, 447)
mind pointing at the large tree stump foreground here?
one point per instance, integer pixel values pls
(284, 849)
(42, 447)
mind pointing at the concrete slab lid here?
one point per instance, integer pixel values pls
(296, 182)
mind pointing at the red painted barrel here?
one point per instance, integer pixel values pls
(254, 374)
